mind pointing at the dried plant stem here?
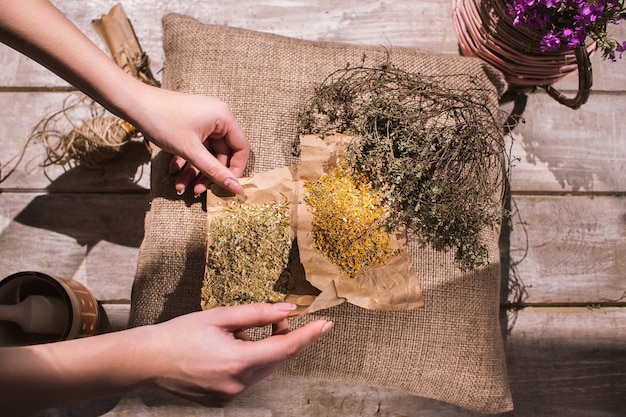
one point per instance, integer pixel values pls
(437, 153)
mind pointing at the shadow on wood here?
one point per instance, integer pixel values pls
(91, 213)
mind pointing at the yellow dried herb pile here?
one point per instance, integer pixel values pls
(248, 255)
(348, 220)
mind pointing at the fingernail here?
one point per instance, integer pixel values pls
(199, 190)
(180, 191)
(284, 306)
(232, 185)
(326, 328)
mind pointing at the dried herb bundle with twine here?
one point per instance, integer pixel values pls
(348, 220)
(435, 152)
(248, 255)
(90, 144)
(96, 140)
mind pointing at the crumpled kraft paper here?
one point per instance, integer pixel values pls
(315, 283)
(391, 286)
(266, 187)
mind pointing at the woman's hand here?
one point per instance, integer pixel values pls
(185, 125)
(206, 357)
(209, 143)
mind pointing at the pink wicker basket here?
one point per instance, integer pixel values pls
(485, 30)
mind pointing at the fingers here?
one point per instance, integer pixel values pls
(283, 344)
(187, 174)
(202, 184)
(176, 164)
(281, 327)
(214, 170)
(235, 362)
(242, 335)
(191, 175)
(246, 316)
(209, 139)
(231, 149)
(277, 349)
(237, 149)
(223, 169)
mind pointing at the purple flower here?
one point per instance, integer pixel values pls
(590, 12)
(621, 49)
(550, 4)
(517, 11)
(572, 38)
(566, 24)
(539, 19)
(550, 42)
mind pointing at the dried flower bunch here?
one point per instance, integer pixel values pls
(434, 152)
(349, 220)
(248, 255)
(567, 23)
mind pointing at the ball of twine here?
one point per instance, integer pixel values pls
(99, 137)
(96, 141)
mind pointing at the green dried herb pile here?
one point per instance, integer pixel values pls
(348, 220)
(248, 255)
(435, 152)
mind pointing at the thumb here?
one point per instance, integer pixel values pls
(277, 349)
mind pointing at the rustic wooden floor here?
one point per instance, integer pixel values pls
(567, 347)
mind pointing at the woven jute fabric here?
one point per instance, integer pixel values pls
(452, 349)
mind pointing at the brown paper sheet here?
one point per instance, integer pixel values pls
(315, 283)
(391, 286)
(266, 187)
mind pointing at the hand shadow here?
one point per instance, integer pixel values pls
(91, 205)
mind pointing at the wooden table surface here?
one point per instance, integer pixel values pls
(566, 350)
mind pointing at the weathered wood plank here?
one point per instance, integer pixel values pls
(426, 25)
(569, 249)
(569, 362)
(114, 316)
(20, 115)
(559, 149)
(93, 238)
(551, 373)
(565, 249)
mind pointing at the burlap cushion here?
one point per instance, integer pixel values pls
(451, 350)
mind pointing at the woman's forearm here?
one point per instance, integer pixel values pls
(178, 123)
(40, 31)
(41, 376)
(204, 357)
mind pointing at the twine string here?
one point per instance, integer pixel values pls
(96, 140)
